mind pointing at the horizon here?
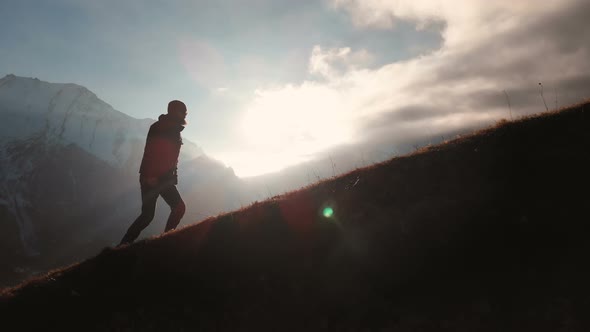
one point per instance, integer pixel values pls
(338, 72)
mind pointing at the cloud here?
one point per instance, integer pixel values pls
(489, 47)
(383, 14)
(467, 20)
(353, 91)
(332, 62)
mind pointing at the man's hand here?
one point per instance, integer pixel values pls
(152, 182)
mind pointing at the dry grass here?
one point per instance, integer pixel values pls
(484, 233)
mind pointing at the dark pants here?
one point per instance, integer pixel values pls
(149, 196)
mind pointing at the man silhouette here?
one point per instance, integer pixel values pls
(158, 170)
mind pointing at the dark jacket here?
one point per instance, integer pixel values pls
(162, 147)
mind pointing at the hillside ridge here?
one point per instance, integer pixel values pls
(483, 233)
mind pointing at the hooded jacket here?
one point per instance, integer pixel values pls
(162, 147)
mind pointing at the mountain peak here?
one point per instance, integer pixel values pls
(36, 81)
(70, 113)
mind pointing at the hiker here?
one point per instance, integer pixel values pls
(158, 170)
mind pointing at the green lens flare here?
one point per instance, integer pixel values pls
(328, 212)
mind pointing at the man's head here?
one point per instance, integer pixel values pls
(177, 109)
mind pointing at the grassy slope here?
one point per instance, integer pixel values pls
(485, 233)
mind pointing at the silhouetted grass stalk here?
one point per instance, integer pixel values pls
(543, 97)
(333, 166)
(509, 106)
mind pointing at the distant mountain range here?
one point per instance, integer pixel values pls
(68, 176)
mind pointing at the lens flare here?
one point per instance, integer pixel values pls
(328, 212)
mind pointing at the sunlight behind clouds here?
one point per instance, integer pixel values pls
(309, 114)
(285, 126)
(489, 48)
(380, 73)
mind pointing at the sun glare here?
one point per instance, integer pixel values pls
(287, 126)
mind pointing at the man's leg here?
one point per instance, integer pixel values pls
(149, 196)
(172, 197)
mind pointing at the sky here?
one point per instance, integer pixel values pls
(270, 84)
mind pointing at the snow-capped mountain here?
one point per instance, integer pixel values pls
(68, 174)
(69, 113)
